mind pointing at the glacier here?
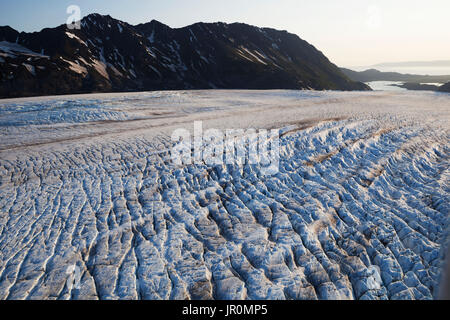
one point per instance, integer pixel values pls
(358, 210)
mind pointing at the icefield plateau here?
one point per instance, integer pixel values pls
(358, 210)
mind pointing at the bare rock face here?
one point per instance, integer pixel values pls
(110, 55)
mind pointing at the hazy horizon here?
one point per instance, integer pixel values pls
(349, 33)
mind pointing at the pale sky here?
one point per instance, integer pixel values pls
(348, 32)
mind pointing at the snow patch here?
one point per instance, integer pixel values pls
(12, 49)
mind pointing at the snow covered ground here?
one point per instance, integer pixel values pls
(91, 206)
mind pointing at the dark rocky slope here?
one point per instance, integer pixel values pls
(445, 87)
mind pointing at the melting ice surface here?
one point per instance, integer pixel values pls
(358, 210)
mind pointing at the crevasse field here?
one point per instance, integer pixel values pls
(358, 210)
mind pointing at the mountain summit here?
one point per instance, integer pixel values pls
(110, 55)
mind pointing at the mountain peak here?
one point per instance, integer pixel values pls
(156, 22)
